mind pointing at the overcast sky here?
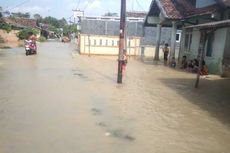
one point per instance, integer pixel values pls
(63, 8)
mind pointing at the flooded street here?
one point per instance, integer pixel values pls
(62, 102)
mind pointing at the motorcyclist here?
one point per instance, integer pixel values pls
(30, 44)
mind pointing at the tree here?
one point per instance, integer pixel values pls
(51, 20)
(55, 22)
(21, 15)
(37, 17)
(5, 26)
(23, 33)
(62, 23)
(1, 10)
(111, 14)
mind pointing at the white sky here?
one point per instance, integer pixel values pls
(63, 8)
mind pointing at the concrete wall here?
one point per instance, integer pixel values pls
(204, 3)
(149, 37)
(215, 61)
(149, 52)
(111, 28)
(108, 27)
(109, 45)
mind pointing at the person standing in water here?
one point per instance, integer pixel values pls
(166, 53)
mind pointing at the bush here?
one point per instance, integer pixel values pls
(42, 39)
(5, 47)
(1, 40)
(23, 33)
(5, 27)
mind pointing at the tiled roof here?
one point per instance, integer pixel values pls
(21, 22)
(225, 3)
(180, 9)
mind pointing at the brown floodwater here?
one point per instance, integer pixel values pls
(62, 102)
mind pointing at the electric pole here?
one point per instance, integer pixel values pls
(122, 40)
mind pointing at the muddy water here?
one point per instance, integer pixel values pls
(58, 102)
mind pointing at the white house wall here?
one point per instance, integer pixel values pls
(107, 48)
(194, 46)
(215, 61)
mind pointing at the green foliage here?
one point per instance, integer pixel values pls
(21, 15)
(42, 39)
(51, 20)
(111, 14)
(23, 33)
(5, 27)
(1, 10)
(70, 29)
(6, 47)
(54, 22)
(62, 23)
(37, 16)
(1, 40)
(55, 30)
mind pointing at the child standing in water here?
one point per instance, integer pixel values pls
(124, 62)
(166, 53)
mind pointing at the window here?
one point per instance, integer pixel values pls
(178, 36)
(100, 42)
(112, 42)
(95, 42)
(188, 40)
(209, 44)
(89, 42)
(106, 43)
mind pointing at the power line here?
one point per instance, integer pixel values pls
(89, 2)
(78, 3)
(19, 5)
(140, 5)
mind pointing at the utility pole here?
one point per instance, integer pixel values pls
(122, 40)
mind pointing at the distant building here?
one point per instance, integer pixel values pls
(108, 26)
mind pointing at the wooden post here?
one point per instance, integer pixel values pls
(122, 40)
(157, 50)
(203, 38)
(181, 49)
(173, 40)
(89, 46)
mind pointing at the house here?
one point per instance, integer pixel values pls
(20, 22)
(205, 29)
(105, 30)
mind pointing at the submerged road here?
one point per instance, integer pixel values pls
(60, 102)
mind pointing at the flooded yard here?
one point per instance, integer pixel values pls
(59, 101)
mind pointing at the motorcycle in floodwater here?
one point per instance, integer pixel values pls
(30, 47)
